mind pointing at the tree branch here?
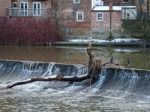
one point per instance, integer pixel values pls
(51, 78)
(94, 69)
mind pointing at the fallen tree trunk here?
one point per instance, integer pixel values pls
(52, 78)
(94, 69)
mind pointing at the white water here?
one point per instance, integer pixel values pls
(115, 91)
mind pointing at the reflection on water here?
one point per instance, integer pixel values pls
(50, 54)
(138, 58)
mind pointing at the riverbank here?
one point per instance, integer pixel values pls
(128, 42)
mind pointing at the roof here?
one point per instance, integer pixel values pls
(114, 8)
(101, 8)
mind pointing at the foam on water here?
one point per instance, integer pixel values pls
(118, 79)
(116, 90)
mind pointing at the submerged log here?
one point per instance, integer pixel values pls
(94, 69)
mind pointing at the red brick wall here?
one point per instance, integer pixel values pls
(67, 11)
(4, 5)
(116, 20)
(27, 31)
(67, 18)
(102, 28)
(114, 2)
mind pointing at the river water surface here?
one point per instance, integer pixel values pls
(138, 57)
(122, 95)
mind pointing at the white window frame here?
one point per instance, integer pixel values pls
(76, 1)
(98, 18)
(37, 12)
(24, 12)
(14, 9)
(78, 13)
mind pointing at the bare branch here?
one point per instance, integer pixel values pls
(94, 69)
(51, 78)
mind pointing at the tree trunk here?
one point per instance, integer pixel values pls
(94, 69)
(51, 78)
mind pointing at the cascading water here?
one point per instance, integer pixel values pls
(136, 81)
(119, 79)
(114, 85)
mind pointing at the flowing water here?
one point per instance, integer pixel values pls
(117, 90)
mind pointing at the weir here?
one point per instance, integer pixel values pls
(21, 70)
(122, 79)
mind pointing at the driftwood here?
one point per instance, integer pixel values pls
(94, 69)
(51, 78)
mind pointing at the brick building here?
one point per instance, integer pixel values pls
(79, 18)
(85, 18)
(74, 17)
(128, 2)
(24, 7)
(4, 4)
(105, 19)
(27, 22)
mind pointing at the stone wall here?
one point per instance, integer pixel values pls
(77, 33)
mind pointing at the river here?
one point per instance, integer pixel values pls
(139, 57)
(124, 93)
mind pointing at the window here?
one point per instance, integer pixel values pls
(79, 16)
(76, 1)
(125, 0)
(99, 2)
(14, 5)
(99, 16)
(14, 10)
(36, 8)
(24, 8)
